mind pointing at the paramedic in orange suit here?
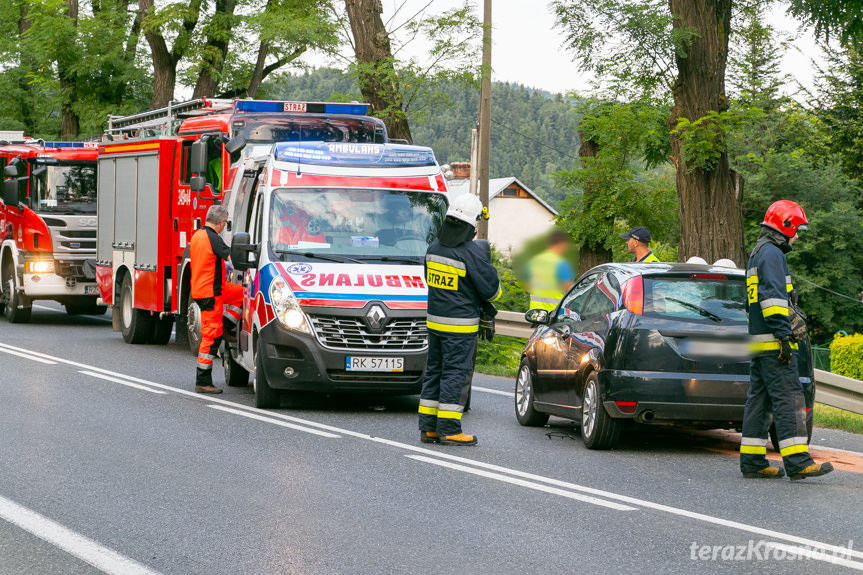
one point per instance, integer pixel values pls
(212, 293)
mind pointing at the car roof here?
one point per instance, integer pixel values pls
(658, 268)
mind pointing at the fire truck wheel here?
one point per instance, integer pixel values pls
(265, 396)
(135, 324)
(13, 312)
(235, 374)
(193, 326)
(162, 327)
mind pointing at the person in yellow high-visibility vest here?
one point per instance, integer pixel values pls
(549, 274)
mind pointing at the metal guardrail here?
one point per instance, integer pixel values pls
(839, 391)
(832, 389)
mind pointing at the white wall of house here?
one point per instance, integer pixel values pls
(513, 221)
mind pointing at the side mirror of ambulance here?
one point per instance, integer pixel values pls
(243, 254)
(234, 146)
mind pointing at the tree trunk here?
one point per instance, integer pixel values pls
(69, 124)
(218, 36)
(711, 215)
(377, 77)
(590, 255)
(164, 61)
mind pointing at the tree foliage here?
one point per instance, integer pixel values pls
(628, 183)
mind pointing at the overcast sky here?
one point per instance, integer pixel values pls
(527, 47)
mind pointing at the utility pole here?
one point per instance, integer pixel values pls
(484, 115)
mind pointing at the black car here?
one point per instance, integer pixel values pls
(654, 344)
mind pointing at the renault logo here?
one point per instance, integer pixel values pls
(376, 317)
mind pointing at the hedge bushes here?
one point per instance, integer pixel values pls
(846, 355)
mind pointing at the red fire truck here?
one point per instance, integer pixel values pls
(48, 226)
(152, 200)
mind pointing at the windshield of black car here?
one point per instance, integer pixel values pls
(709, 299)
(67, 188)
(388, 226)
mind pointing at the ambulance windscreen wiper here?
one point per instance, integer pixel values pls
(312, 255)
(415, 260)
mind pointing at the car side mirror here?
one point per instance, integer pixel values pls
(536, 316)
(243, 253)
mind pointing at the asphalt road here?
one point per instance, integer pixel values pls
(109, 463)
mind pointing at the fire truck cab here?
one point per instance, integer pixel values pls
(330, 237)
(48, 226)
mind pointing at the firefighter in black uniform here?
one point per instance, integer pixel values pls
(460, 279)
(773, 375)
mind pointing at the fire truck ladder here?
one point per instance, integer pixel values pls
(164, 120)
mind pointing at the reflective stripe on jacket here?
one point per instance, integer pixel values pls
(459, 279)
(768, 284)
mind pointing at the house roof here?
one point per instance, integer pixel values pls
(495, 187)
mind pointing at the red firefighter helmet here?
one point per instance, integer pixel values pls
(785, 217)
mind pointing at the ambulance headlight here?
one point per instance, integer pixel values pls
(286, 308)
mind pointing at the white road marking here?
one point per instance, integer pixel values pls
(28, 356)
(275, 422)
(836, 550)
(494, 391)
(523, 483)
(121, 382)
(102, 558)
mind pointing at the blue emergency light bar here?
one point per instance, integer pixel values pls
(63, 144)
(351, 154)
(301, 107)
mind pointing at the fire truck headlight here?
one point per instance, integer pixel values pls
(39, 266)
(286, 308)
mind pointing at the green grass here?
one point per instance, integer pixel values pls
(835, 418)
(499, 357)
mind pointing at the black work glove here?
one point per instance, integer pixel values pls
(486, 321)
(785, 350)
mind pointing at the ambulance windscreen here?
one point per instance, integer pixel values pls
(341, 154)
(366, 225)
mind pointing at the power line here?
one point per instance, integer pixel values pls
(855, 300)
(540, 142)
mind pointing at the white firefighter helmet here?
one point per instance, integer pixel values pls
(466, 208)
(696, 260)
(725, 263)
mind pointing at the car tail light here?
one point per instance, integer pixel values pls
(709, 276)
(626, 406)
(633, 295)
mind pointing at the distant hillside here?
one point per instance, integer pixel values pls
(532, 134)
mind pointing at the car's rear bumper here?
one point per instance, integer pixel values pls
(663, 397)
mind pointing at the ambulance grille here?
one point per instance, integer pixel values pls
(334, 332)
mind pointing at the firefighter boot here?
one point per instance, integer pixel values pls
(766, 473)
(204, 382)
(429, 437)
(460, 439)
(814, 470)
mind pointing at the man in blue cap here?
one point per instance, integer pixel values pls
(637, 241)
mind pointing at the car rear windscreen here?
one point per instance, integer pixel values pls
(707, 298)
